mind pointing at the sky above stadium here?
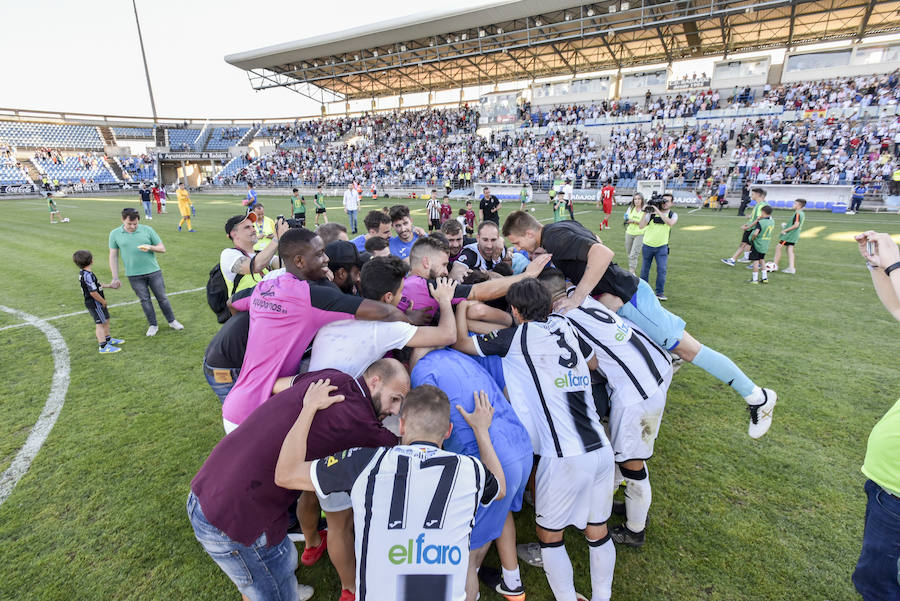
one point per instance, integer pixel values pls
(85, 56)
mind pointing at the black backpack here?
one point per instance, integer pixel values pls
(217, 291)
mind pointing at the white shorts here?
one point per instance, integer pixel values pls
(574, 491)
(336, 501)
(633, 428)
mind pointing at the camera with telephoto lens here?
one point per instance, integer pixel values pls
(656, 200)
(294, 224)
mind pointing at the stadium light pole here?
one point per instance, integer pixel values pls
(144, 56)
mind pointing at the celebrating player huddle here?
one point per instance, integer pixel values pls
(414, 411)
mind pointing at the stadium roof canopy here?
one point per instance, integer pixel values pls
(528, 39)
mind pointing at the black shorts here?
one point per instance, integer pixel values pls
(745, 239)
(434, 224)
(786, 243)
(301, 217)
(320, 211)
(755, 255)
(97, 311)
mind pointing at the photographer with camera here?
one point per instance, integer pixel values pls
(241, 260)
(877, 573)
(658, 220)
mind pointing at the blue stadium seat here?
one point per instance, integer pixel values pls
(222, 138)
(44, 135)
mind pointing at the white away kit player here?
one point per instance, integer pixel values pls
(547, 371)
(413, 504)
(637, 375)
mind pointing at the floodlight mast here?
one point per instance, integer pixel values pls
(144, 57)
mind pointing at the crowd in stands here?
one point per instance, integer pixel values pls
(396, 149)
(231, 133)
(48, 154)
(442, 144)
(662, 107)
(139, 167)
(429, 147)
(74, 169)
(816, 151)
(864, 90)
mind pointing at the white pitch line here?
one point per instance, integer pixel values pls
(122, 304)
(58, 388)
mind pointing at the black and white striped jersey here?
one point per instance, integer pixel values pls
(413, 510)
(633, 365)
(549, 384)
(473, 259)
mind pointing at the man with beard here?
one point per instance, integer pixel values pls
(286, 311)
(345, 262)
(481, 254)
(235, 504)
(402, 243)
(456, 240)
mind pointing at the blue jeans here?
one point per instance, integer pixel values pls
(352, 216)
(877, 574)
(661, 254)
(221, 379)
(142, 285)
(147, 211)
(260, 572)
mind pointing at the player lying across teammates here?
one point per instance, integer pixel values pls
(538, 360)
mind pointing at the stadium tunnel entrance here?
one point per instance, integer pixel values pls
(192, 168)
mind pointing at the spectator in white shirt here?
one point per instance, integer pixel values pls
(351, 204)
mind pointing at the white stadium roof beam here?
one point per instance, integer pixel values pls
(515, 40)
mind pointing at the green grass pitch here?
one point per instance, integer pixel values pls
(100, 514)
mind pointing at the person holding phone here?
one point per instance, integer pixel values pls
(877, 573)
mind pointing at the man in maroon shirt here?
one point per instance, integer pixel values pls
(240, 516)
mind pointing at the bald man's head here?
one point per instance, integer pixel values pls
(388, 383)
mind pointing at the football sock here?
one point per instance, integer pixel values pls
(103, 344)
(108, 338)
(603, 562)
(765, 274)
(637, 498)
(558, 568)
(725, 370)
(511, 578)
(747, 255)
(755, 276)
(756, 396)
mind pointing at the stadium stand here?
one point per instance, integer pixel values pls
(130, 133)
(222, 138)
(11, 173)
(138, 168)
(183, 139)
(424, 147)
(74, 169)
(229, 173)
(46, 135)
